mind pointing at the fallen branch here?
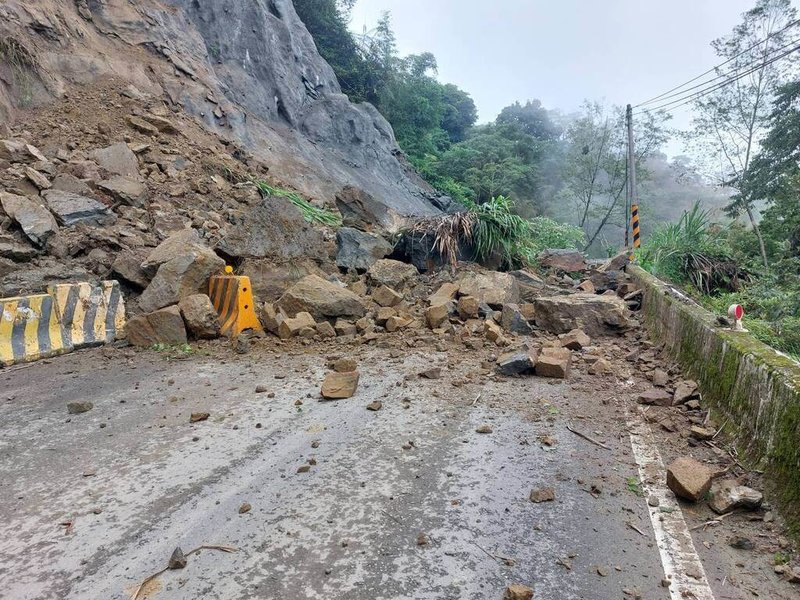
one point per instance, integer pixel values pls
(478, 397)
(635, 528)
(712, 522)
(140, 587)
(587, 438)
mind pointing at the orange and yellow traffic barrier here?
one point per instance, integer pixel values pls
(232, 297)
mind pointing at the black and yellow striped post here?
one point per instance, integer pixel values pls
(637, 241)
(232, 297)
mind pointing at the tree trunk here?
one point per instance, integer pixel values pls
(761, 247)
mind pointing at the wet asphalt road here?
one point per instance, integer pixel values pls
(135, 480)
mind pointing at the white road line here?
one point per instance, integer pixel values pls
(679, 557)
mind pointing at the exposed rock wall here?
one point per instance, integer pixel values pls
(248, 70)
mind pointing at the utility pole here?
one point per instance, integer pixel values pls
(633, 199)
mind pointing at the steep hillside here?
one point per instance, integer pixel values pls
(248, 72)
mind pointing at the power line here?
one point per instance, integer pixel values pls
(702, 93)
(715, 68)
(711, 82)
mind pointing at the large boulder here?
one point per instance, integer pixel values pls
(185, 274)
(163, 326)
(595, 315)
(360, 210)
(322, 299)
(269, 280)
(569, 261)
(392, 273)
(491, 287)
(273, 229)
(358, 250)
(36, 221)
(71, 209)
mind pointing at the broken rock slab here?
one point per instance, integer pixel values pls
(71, 209)
(358, 250)
(514, 321)
(200, 316)
(20, 151)
(163, 326)
(519, 362)
(118, 159)
(595, 315)
(35, 220)
(386, 296)
(125, 190)
(291, 327)
(684, 391)
(727, 495)
(322, 299)
(575, 339)
(444, 294)
(688, 478)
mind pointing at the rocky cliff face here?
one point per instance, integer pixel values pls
(249, 71)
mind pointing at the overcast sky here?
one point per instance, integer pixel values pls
(560, 51)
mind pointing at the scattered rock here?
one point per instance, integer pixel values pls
(125, 190)
(338, 386)
(177, 560)
(587, 286)
(660, 378)
(684, 391)
(516, 363)
(600, 367)
(76, 408)
(40, 181)
(398, 322)
(344, 327)
(325, 330)
(689, 479)
(493, 332)
(163, 326)
(391, 273)
(701, 433)
(19, 151)
(741, 543)
(375, 405)
(485, 428)
(199, 416)
(517, 591)
(546, 494)
(468, 307)
(200, 316)
(290, 328)
(321, 299)
(553, 362)
(422, 539)
(437, 315)
(344, 365)
(569, 261)
(727, 495)
(575, 339)
(386, 296)
(444, 294)
(117, 159)
(432, 373)
(303, 469)
(491, 287)
(514, 321)
(656, 397)
(245, 508)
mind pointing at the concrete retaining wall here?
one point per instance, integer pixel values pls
(752, 388)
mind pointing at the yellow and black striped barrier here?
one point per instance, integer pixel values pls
(90, 314)
(232, 297)
(30, 329)
(637, 241)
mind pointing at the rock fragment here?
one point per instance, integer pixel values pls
(386, 296)
(727, 495)
(485, 428)
(575, 339)
(177, 560)
(338, 386)
(76, 408)
(197, 417)
(200, 316)
(517, 591)
(545, 494)
(553, 362)
(655, 397)
(688, 478)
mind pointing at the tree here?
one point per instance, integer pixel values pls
(594, 170)
(532, 118)
(730, 120)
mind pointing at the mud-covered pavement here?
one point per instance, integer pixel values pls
(92, 504)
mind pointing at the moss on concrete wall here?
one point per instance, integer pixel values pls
(753, 388)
